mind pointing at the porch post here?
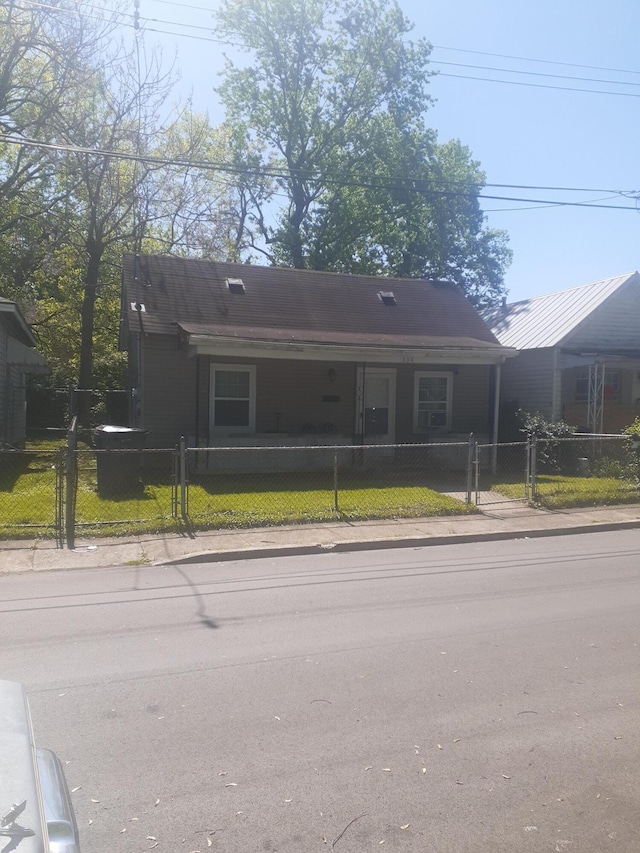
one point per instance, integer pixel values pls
(496, 416)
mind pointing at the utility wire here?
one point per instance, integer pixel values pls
(434, 62)
(527, 58)
(540, 85)
(538, 73)
(416, 185)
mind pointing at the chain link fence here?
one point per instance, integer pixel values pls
(30, 493)
(585, 470)
(69, 490)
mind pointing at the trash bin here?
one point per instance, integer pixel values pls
(118, 466)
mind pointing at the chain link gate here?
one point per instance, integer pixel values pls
(503, 473)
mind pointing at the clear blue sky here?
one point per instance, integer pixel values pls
(520, 134)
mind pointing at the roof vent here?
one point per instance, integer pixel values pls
(235, 285)
(138, 306)
(387, 296)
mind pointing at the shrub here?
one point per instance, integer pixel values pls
(547, 433)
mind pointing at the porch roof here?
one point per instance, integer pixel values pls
(305, 344)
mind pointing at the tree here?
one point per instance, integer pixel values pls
(334, 98)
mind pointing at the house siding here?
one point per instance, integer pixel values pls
(527, 382)
(16, 408)
(167, 392)
(613, 325)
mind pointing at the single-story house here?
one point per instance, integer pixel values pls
(578, 354)
(243, 355)
(18, 359)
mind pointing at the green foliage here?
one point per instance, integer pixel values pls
(550, 452)
(633, 430)
(332, 101)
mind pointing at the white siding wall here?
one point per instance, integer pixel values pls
(614, 325)
(528, 378)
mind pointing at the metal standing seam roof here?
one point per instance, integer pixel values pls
(288, 304)
(545, 321)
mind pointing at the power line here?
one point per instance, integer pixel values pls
(540, 85)
(374, 182)
(537, 73)
(213, 40)
(528, 58)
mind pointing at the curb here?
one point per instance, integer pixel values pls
(386, 544)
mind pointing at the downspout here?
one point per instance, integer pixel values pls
(496, 416)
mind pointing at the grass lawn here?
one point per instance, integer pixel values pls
(254, 500)
(556, 491)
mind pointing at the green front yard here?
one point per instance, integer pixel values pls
(28, 497)
(555, 491)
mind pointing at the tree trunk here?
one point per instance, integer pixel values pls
(85, 373)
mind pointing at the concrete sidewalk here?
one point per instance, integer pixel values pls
(497, 521)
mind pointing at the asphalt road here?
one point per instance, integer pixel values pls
(453, 698)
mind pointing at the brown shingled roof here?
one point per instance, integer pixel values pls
(289, 304)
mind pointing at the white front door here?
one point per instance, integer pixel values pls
(376, 405)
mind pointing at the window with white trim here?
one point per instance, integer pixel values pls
(233, 397)
(432, 401)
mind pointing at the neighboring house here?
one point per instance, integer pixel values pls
(579, 354)
(17, 360)
(233, 355)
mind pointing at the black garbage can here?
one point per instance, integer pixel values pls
(118, 465)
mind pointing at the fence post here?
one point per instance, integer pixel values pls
(183, 478)
(71, 481)
(470, 463)
(335, 482)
